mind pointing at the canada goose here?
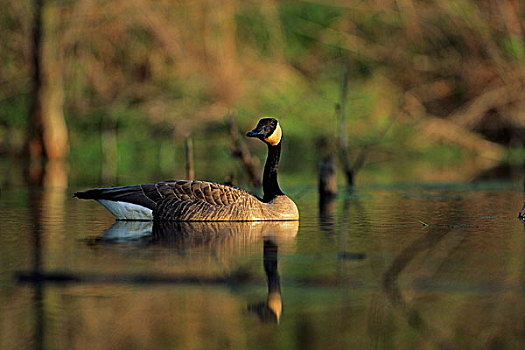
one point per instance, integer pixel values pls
(187, 200)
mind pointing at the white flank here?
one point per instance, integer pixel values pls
(127, 211)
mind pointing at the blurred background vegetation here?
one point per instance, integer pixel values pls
(116, 87)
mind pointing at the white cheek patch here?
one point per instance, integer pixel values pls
(127, 211)
(275, 137)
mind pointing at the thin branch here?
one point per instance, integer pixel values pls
(342, 135)
(190, 172)
(240, 151)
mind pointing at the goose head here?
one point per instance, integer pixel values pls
(268, 130)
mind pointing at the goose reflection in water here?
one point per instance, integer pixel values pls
(271, 309)
(219, 235)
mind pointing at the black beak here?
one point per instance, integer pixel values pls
(257, 132)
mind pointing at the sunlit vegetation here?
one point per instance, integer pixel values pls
(436, 80)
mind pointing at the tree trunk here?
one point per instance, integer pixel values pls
(47, 133)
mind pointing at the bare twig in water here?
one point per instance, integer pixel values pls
(351, 169)
(327, 189)
(240, 151)
(342, 136)
(190, 172)
(327, 178)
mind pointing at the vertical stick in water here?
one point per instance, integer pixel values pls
(327, 189)
(327, 178)
(342, 136)
(190, 174)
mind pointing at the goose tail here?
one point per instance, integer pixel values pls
(125, 202)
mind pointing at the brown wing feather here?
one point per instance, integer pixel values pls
(186, 200)
(208, 192)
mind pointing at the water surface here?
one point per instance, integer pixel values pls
(380, 267)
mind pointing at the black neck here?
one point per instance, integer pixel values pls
(270, 186)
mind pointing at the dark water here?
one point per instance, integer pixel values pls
(400, 267)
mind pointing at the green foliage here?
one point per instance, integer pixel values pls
(13, 110)
(302, 23)
(514, 47)
(252, 26)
